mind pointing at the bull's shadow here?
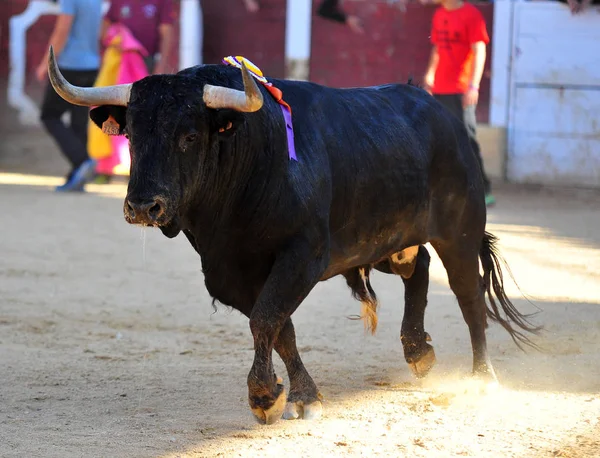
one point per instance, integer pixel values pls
(570, 341)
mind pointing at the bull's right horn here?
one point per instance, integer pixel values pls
(247, 101)
(86, 96)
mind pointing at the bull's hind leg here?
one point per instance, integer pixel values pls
(461, 261)
(412, 264)
(304, 399)
(418, 353)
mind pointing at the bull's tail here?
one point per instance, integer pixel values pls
(494, 286)
(359, 283)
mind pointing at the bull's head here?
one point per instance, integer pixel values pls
(168, 125)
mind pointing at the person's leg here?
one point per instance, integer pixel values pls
(471, 125)
(80, 115)
(53, 107)
(453, 103)
(79, 126)
(71, 139)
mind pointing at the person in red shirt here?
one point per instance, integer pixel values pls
(151, 23)
(459, 38)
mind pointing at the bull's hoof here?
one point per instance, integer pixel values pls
(492, 386)
(486, 376)
(482, 386)
(298, 409)
(272, 414)
(421, 367)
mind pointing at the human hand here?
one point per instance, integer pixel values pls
(355, 24)
(428, 81)
(471, 97)
(41, 71)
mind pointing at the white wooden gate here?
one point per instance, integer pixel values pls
(554, 96)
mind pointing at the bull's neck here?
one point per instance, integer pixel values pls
(244, 184)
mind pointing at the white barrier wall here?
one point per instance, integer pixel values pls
(191, 34)
(297, 38)
(546, 92)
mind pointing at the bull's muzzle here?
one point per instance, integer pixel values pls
(150, 212)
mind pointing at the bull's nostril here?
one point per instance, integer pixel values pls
(155, 211)
(130, 209)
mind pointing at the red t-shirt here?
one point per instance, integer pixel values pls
(143, 17)
(454, 32)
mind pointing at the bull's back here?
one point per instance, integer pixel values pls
(377, 145)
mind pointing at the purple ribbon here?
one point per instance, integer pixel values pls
(290, 132)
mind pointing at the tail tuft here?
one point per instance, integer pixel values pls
(494, 286)
(359, 283)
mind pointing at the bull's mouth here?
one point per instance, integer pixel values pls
(134, 222)
(169, 227)
(147, 221)
(154, 212)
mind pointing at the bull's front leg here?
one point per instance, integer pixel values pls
(304, 399)
(294, 274)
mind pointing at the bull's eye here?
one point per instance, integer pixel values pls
(190, 138)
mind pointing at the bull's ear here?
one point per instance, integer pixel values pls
(226, 122)
(110, 118)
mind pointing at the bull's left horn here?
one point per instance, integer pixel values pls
(86, 96)
(247, 101)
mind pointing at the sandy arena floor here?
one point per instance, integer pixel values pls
(110, 346)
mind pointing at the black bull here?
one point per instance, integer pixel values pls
(381, 171)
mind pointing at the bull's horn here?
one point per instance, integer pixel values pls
(86, 96)
(248, 100)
